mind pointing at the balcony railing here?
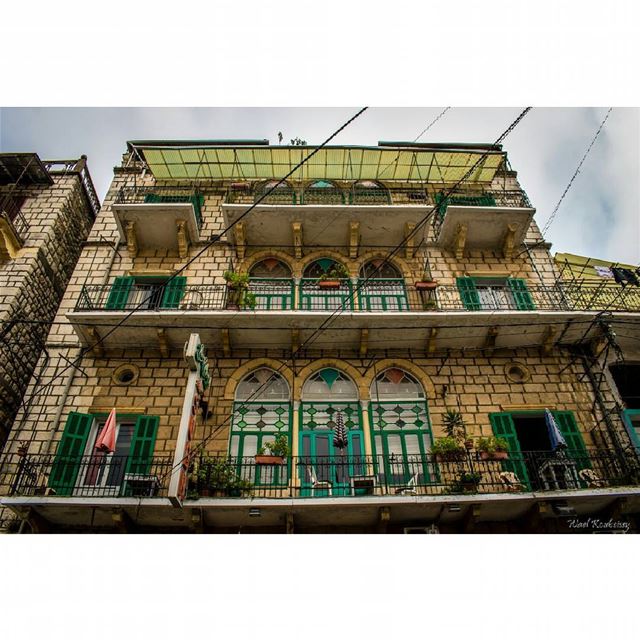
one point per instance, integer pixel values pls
(98, 475)
(324, 476)
(157, 195)
(282, 294)
(604, 295)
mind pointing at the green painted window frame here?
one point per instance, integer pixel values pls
(429, 475)
(400, 300)
(172, 291)
(631, 430)
(262, 476)
(274, 301)
(336, 296)
(468, 289)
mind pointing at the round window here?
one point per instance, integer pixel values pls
(125, 374)
(516, 372)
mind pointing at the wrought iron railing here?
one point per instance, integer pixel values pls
(98, 475)
(79, 167)
(606, 295)
(157, 195)
(371, 296)
(338, 475)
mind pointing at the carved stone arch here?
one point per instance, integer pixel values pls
(351, 265)
(334, 363)
(252, 365)
(404, 266)
(254, 258)
(381, 365)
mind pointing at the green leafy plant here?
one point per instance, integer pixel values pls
(454, 425)
(447, 446)
(492, 444)
(279, 447)
(336, 272)
(467, 482)
(239, 294)
(221, 475)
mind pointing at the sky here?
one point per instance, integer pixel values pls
(599, 217)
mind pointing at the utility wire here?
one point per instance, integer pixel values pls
(211, 242)
(364, 281)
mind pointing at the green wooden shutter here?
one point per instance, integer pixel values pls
(575, 444)
(119, 293)
(173, 292)
(66, 465)
(521, 295)
(504, 427)
(468, 293)
(142, 445)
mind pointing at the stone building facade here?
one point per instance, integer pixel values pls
(47, 212)
(352, 312)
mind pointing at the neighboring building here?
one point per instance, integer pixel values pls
(322, 325)
(46, 212)
(611, 287)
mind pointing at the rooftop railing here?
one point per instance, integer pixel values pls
(158, 195)
(80, 167)
(338, 475)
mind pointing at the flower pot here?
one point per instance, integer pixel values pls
(496, 455)
(426, 285)
(205, 492)
(468, 444)
(270, 460)
(23, 450)
(470, 486)
(329, 284)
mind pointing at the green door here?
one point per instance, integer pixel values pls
(504, 427)
(322, 461)
(66, 465)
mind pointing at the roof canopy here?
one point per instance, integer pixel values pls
(25, 167)
(200, 161)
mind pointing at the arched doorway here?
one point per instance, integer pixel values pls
(382, 287)
(328, 463)
(323, 192)
(261, 412)
(401, 429)
(316, 296)
(271, 282)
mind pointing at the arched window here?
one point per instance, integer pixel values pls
(316, 291)
(270, 280)
(323, 192)
(401, 429)
(261, 412)
(382, 287)
(331, 437)
(283, 192)
(369, 192)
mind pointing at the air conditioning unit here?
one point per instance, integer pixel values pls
(431, 529)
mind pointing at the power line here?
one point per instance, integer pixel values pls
(364, 281)
(211, 242)
(552, 217)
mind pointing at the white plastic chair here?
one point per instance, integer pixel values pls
(317, 484)
(410, 488)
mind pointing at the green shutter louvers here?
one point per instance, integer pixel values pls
(521, 295)
(468, 293)
(173, 292)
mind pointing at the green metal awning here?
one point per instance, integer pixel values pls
(168, 161)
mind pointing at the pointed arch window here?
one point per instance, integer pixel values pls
(331, 439)
(401, 429)
(369, 192)
(323, 192)
(261, 412)
(281, 192)
(271, 282)
(315, 296)
(382, 287)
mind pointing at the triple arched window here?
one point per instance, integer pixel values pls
(331, 426)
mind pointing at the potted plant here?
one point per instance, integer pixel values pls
(217, 477)
(455, 427)
(447, 449)
(493, 448)
(468, 482)
(273, 452)
(238, 294)
(426, 283)
(331, 279)
(23, 449)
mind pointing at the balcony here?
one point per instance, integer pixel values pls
(289, 216)
(451, 316)
(490, 220)
(225, 494)
(158, 218)
(106, 476)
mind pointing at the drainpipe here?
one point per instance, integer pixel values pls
(62, 404)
